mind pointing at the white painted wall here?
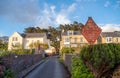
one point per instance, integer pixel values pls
(19, 40)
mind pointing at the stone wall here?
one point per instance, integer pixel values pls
(19, 63)
(68, 61)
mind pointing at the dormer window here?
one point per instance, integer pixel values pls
(70, 32)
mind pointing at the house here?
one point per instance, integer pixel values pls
(110, 37)
(25, 40)
(72, 38)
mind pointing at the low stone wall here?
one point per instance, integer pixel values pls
(19, 63)
(68, 61)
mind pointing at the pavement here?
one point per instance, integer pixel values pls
(51, 68)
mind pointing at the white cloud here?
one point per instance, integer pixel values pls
(62, 19)
(110, 27)
(71, 7)
(49, 17)
(107, 3)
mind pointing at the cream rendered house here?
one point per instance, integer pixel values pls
(24, 40)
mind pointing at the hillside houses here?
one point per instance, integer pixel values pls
(73, 38)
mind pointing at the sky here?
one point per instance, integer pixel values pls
(16, 15)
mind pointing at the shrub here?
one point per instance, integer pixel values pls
(5, 53)
(67, 50)
(79, 69)
(101, 58)
(8, 73)
(23, 51)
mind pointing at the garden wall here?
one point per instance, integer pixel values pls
(68, 61)
(20, 62)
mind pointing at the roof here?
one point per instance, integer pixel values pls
(74, 33)
(110, 34)
(33, 35)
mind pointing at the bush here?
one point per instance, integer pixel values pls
(79, 69)
(5, 53)
(67, 50)
(101, 58)
(8, 73)
(23, 51)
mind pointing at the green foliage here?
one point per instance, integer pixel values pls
(60, 59)
(22, 51)
(101, 56)
(34, 30)
(67, 50)
(37, 44)
(3, 47)
(56, 44)
(75, 26)
(5, 53)
(79, 69)
(8, 73)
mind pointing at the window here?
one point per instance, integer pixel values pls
(14, 39)
(81, 39)
(70, 32)
(67, 40)
(109, 39)
(75, 40)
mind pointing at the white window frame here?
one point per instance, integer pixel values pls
(109, 39)
(67, 41)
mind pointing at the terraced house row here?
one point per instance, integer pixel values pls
(76, 39)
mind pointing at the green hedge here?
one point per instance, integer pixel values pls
(79, 69)
(101, 58)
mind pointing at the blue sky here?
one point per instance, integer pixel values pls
(15, 15)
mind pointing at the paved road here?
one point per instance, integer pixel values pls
(51, 68)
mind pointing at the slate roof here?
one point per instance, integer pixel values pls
(110, 34)
(33, 35)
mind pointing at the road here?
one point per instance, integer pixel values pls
(51, 68)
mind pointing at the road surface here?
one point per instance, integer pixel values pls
(51, 68)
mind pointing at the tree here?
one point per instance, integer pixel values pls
(35, 30)
(75, 26)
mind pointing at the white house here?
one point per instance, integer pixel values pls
(25, 39)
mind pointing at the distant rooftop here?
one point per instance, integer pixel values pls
(33, 35)
(110, 34)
